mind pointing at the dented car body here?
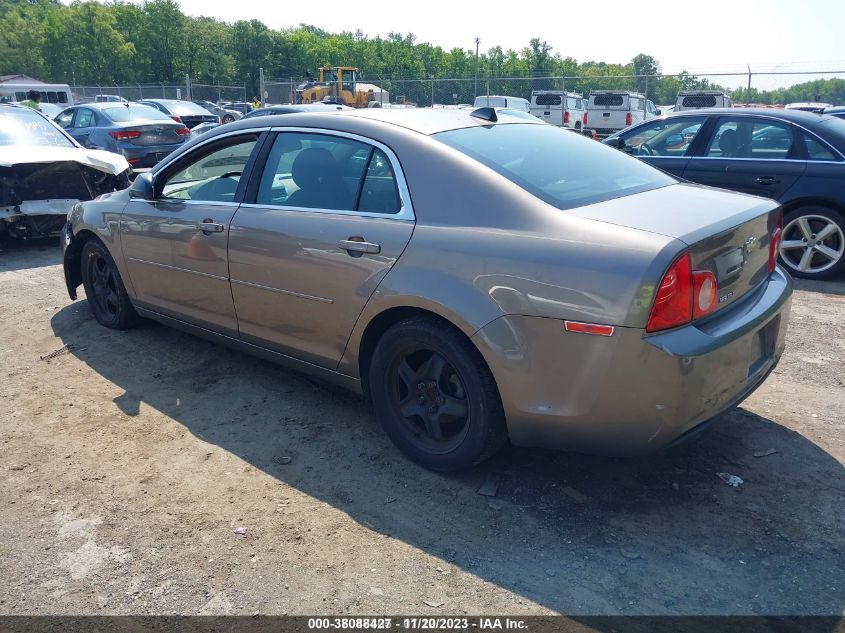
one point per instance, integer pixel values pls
(44, 172)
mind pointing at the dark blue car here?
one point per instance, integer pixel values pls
(794, 157)
(140, 133)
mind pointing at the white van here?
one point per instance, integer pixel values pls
(499, 101)
(609, 111)
(699, 99)
(57, 94)
(563, 109)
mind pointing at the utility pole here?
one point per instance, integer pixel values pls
(477, 42)
(748, 94)
(261, 98)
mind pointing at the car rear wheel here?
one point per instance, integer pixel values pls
(813, 243)
(435, 396)
(228, 118)
(107, 297)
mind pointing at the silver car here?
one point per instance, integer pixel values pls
(480, 275)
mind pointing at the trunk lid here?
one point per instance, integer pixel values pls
(727, 234)
(156, 133)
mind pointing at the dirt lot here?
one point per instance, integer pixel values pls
(126, 464)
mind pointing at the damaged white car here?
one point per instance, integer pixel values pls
(44, 172)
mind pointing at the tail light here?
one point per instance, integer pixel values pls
(176, 118)
(584, 119)
(125, 135)
(774, 244)
(683, 295)
(629, 119)
(183, 131)
(566, 118)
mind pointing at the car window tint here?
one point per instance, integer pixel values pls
(313, 171)
(213, 177)
(815, 150)
(671, 137)
(564, 169)
(747, 137)
(84, 118)
(380, 193)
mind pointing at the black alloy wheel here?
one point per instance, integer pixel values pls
(107, 297)
(435, 396)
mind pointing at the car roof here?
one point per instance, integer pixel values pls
(802, 117)
(426, 121)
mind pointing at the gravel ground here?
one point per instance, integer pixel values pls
(127, 463)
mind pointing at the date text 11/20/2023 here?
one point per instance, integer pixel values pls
(417, 623)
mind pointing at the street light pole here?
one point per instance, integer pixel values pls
(477, 42)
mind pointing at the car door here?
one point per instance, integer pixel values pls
(329, 216)
(665, 144)
(749, 154)
(175, 245)
(80, 128)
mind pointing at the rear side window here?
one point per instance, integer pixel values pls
(748, 137)
(319, 171)
(561, 168)
(608, 100)
(816, 150)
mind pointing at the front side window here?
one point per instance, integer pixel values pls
(748, 137)
(672, 137)
(318, 171)
(65, 118)
(214, 177)
(563, 169)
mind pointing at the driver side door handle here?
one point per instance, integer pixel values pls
(767, 180)
(354, 246)
(209, 226)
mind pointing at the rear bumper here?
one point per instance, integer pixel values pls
(632, 393)
(147, 156)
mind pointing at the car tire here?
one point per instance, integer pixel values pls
(228, 118)
(435, 396)
(107, 296)
(813, 243)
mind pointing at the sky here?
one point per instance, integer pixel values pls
(702, 37)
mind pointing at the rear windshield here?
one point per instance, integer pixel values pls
(186, 108)
(547, 99)
(699, 101)
(564, 169)
(608, 100)
(23, 126)
(122, 114)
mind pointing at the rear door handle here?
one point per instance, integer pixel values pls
(767, 180)
(209, 226)
(355, 246)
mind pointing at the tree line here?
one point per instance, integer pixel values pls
(89, 43)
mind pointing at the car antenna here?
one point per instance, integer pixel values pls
(488, 114)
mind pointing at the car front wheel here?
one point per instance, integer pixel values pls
(107, 297)
(435, 396)
(813, 243)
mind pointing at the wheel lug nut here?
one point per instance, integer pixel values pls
(421, 386)
(432, 385)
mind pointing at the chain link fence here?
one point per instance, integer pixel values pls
(422, 92)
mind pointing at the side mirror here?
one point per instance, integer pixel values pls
(142, 188)
(658, 112)
(617, 142)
